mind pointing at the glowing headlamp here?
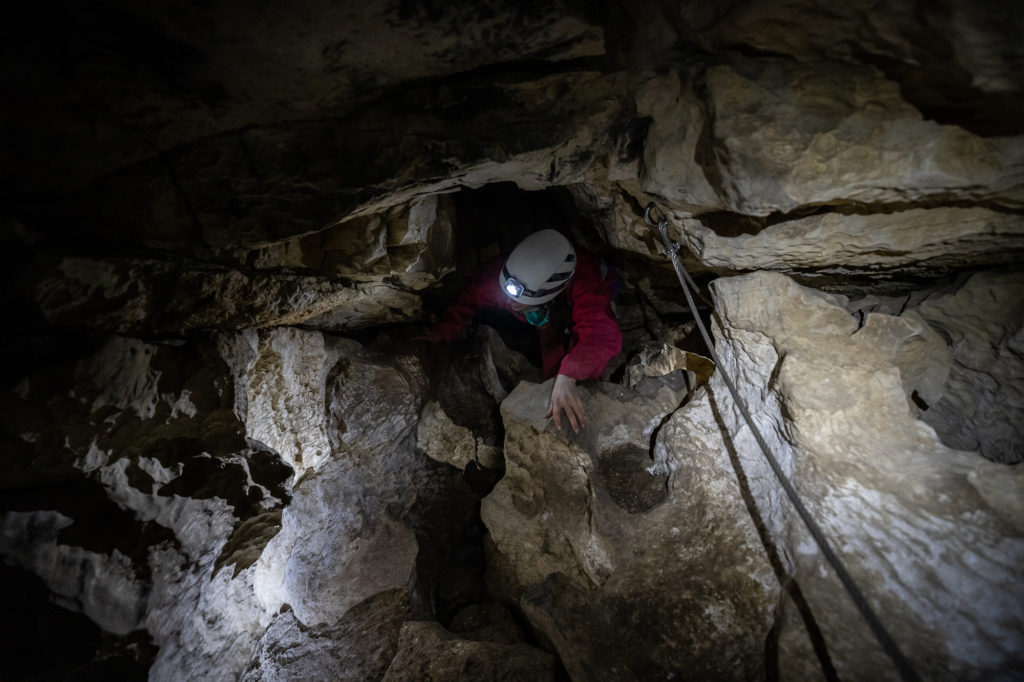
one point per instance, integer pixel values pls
(513, 287)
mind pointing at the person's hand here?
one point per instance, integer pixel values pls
(565, 398)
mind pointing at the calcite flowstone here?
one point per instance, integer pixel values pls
(833, 394)
(630, 566)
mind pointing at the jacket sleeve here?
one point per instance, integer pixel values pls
(482, 290)
(596, 337)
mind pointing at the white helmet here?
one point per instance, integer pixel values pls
(538, 269)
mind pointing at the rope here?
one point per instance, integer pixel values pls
(903, 665)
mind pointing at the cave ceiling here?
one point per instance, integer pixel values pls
(183, 130)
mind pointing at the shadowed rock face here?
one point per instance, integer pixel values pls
(227, 455)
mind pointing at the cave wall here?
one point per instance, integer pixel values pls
(223, 225)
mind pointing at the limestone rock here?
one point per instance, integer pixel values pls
(972, 43)
(918, 242)
(162, 435)
(445, 441)
(138, 448)
(411, 245)
(266, 184)
(258, 503)
(156, 297)
(472, 376)
(885, 490)
(428, 652)
(490, 623)
(1002, 488)
(618, 582)
(344, 416)
(789, 135)
(331, 554)
(673, 147)
(981, 404)
(103, 587)
(285, 384)
(613, 209)
(215, 645)
(358, 647)
(654, 361)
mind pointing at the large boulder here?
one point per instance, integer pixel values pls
(630, 564)
(921, 527)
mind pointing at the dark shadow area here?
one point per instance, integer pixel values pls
(42, 641)
(623, 472)
(945, 92)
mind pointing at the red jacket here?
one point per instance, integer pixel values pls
(595, 337)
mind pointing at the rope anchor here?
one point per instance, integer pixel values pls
(650, 208)
(671, 247)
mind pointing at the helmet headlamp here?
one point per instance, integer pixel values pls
(513, 287)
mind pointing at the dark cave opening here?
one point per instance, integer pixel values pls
(491, 220)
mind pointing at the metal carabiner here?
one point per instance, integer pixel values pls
(671, 248)
(647, 216)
